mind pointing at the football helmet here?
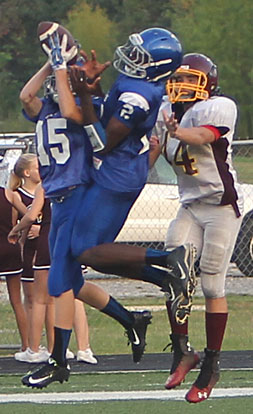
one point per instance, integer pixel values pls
(153, 54)
(49, 84)
(49, 87)
(204, 69)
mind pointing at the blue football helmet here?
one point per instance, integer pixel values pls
(153, 54)
(49, 85)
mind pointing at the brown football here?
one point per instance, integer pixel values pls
(47, 28)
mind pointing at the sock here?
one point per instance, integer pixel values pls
(158, 257)
(119, 313)
(175, 327)
(61, 341)
(152, 275)
(215, 329)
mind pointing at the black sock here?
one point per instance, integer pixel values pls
(156, 257)
(61, 341)
(152, 275)
(118, 312)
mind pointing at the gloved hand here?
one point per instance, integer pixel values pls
(57, 53)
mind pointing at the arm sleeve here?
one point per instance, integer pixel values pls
(218, 131)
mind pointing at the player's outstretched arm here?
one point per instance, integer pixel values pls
(193, 136)
(28, 95)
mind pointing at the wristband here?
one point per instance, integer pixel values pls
(97, 136)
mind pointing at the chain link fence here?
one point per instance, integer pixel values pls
(149, 219)
(157, 205)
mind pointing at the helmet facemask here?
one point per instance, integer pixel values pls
(187, 92)
(132, 59)
(50, 89)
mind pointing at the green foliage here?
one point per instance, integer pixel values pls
(223, 31)
(20, 51)
(133, 16)
(84, 24)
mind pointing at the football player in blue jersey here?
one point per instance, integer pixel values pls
(119, 127)
(135, 99)
(64, 154)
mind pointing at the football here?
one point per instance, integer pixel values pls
(48, 28)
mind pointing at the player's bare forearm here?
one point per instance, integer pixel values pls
(116, 132)
(192, 136)
(68, 107)
(84, 90)
(195, 135)
(28, 95)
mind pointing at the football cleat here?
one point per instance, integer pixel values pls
(137, 333)
(181, 281)
(48, 373)
(180, 263)
(207, 378)
(181, 308)
(184, 359)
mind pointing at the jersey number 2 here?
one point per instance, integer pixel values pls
(58, 141)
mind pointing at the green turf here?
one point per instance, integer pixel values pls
(10, 384)
(218, 406)
(128, 382)
(239, 333)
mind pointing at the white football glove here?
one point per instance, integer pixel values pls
(57, 53)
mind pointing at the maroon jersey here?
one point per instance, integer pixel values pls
(42, 260)
(30, 245)
(10, 255)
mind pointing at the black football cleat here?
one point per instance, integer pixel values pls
(48, 373)
(180, 262)
(181, 281)
(137, 333)
(181, 308)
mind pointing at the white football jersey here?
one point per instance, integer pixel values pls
(205, 172)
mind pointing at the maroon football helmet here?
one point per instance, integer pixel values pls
(204, 69)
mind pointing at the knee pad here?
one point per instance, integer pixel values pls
(213, 286)
(213, 268)
(212, 259)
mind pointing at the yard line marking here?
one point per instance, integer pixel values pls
(50, 398)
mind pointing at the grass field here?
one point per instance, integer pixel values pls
(107, 336)
(219, 406)
(244, 168)
(126, 382)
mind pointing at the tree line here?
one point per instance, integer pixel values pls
(221, 30)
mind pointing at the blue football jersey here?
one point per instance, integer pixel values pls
(135, 103)
(63, 148)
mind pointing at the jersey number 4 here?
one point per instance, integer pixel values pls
(58, 142)
(182, 159)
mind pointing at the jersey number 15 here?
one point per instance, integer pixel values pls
(58, 142)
